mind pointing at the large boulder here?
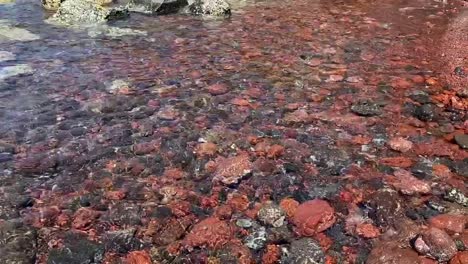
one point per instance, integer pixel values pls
(209, 7)
(86, 12)
(55, 4)
(160, 7)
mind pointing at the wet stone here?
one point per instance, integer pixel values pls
(385, 207)
(210, 7)
(305, 251)
(4, 157)
(461, 167)
(324, 191)
(6, 56)
(366, 108)
(279, 235)
(426, 112)
(456, 196)
(437, 244)
(125, 214)
(25, 202)
(77, 250)
(78, 131)
(17, 243)
(421, 97)
(271, 214)
(8, 148)
(121, 241)
(15, 70)
(244, 223)
(162, 212)
(333, 162)
(257, 239)
(387, 252)
(422, 170)
(462, 140)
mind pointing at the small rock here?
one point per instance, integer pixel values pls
(218, 89)
(462, 140)
(449, 222)
(11, 71)
(289, 206)
(271, 214)
(4, 157)
(115, 32)
(8, 148)
(257, 239)
(456, 196)
(170, 230)
(271, 255)
(422, 170)
(120, 87)
(211, 233)
(6, 56)
(206, 149)
(85, 12)
(405, 182)
(244, 223)
(401, 83)
(168, 113)
(366, 108)
(278, 235)
(391, 253)
(231, 170)
(11, 33)
(84, 217)
(354, 79)
(210, 7)
(17, 243)
(400, 144)
(367, 230)
(460, 258)
(77, 249)
(335, 78)
(386, 207)
(138, 257)
(305, 251)
(160, 7)
(426, 112)
(298, 116)
(313, 217)
(437, 244)
(121, 241)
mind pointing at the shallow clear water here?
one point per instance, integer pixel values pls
(72, 135)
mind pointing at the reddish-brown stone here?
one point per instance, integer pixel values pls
(271, 255)
(449, 222)
(405, 182)
(391, 253)
(400, 144)
(211, 233)
(231, 170)
(460, 258)
(313, 217)
(436, 243)
(218, 89)
(367, 230)
(289, 206)
(138, 257)
(400, 162)
(84, 217)
(206, 149)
